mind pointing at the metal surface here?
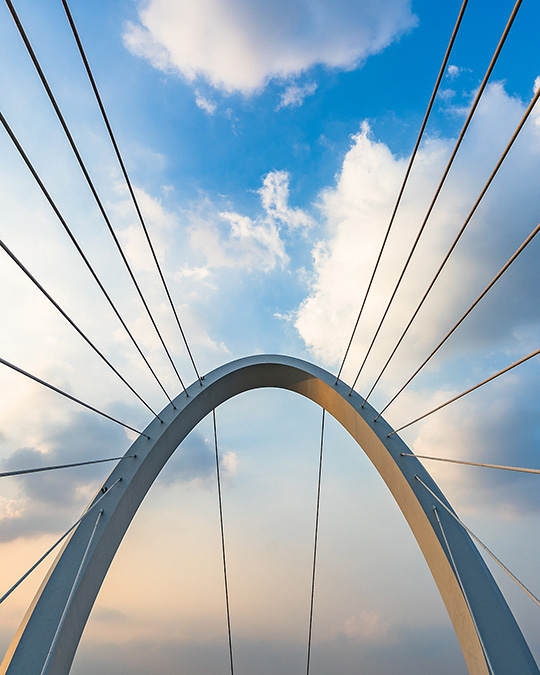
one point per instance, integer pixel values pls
(504, 644)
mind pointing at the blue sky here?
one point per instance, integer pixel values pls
(267, 143)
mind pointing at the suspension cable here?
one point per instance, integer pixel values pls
(405, 179)
(126, 177)
(462, 588)
(58, 541)
(458, 236)
(464, 316)
(223, 542)
(71, 398)
(89, 181)
(315, 546)
(74, 241)
(442, 181)
(62, 466)
(483, 464)
(512, 576)
(476, 386)
(75, 326)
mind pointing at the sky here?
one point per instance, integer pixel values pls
(267, 143)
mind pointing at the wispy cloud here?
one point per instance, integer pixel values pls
(204, 103)
(294, 95)
(231, 239)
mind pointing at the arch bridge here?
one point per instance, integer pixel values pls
(48, 637)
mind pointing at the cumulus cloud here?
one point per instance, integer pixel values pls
(230, 239)
(294, 95)
(357, 211)
(240, 47)
(505, 326)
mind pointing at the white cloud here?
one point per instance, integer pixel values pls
(447, 94)
(504, 327)
(357, 211)
(230, 239)
(205, 103)
(199, 273)
(452, 72)
(275, 201)
(294, 96)
(239, 47)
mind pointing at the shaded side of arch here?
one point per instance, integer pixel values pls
(502, 640)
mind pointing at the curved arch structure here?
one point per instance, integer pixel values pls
(50, 632)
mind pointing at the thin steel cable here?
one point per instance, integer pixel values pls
(483, 464)
(74, 325)
(316, 538)
(74, 241)
(458, 236)
(223, 543)
(71, 398)
(471, 533)
(442, 181)
(22, 472)
(476, 386)
(465, 597)
(126, 177)
(406, 178)
(71, 595)
(58, 541)
(464, 316)
(89, 181)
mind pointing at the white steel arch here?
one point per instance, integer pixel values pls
(50, 632)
